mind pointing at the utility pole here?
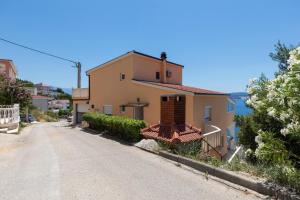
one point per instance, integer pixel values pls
(78, 65)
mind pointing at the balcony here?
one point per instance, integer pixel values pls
(9, 118)
(213, 141)
(80, 93)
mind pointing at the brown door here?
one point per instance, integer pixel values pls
(138, 113)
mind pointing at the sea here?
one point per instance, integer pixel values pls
(241, 108)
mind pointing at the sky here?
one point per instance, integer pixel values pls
(222, 44)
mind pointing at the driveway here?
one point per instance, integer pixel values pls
(51, 161)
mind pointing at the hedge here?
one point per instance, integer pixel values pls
(121, 127)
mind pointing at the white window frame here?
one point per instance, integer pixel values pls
(209, 113)
(121, 76)
(230, 104)
(122, 110)
(168, 74)
(108, 109)
(156, 75)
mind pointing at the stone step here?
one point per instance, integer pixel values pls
(3, 130)
(13, 131)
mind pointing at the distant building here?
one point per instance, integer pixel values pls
(43, 89)
(7, 67)
(59, 104)
(41, 102)
(32, 90)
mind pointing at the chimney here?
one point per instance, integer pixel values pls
(172, 113)
(163, 57)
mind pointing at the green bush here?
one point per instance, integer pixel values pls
(64, 113)
(285, 175)
(121, 127)
(52, 115)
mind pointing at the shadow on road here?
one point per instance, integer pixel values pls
(106, 136)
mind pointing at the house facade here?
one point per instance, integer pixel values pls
(131, 85)
(8, 67)
(41, 102)
(62, 104)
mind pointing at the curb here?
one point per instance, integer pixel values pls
(259, 187)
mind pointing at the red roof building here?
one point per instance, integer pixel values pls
(172, 127)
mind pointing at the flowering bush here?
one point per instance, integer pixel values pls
(281, 96)
(13, 91)
(280, 99)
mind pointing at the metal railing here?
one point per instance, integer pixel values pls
(212, 139)
(9, 114)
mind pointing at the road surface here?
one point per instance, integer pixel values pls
(52, 161)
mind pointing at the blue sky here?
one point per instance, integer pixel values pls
(222, 44)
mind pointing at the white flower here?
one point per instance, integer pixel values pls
(271, 112)
(258, 139)
(250, 90)
(284, 131)
(254, 98)
(252, 80)
(284, 116)
(271, 94)
(249, 102)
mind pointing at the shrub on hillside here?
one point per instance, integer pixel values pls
(64, 113)
(44, 116)
(121, 127)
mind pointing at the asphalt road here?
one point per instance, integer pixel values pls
(50, 161)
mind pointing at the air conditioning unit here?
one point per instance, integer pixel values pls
(168, 73)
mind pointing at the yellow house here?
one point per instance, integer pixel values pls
(131, 85)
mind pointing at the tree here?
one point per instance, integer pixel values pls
(279, 144)
(13, 91)
(281, 55)
(59, 90)
(25, 83)
(247, 132)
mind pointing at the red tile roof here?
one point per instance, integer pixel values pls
(184, 88)
(180, 134)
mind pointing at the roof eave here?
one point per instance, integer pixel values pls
(211, 94)
(163, 88)
(124, 55)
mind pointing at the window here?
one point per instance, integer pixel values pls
(122, 76)
(164, 98)
(178, 98)
(230, 106)
(207, 113)
(168, 73)
(122, 109)
(107, 109)
(157, 76)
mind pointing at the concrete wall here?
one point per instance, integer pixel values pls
(106, 88)
(145, 68)
(220, 116)
(41, 104)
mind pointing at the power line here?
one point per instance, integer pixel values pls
(41, 52)
(77, 64)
